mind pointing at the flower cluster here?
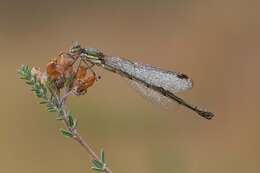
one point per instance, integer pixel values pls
(66, 72)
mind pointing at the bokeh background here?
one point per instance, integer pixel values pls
(215, 42)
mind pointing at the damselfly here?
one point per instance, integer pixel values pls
(162, 82)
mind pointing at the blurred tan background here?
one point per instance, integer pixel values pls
(215, 42)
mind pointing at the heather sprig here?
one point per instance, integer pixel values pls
(63, 77)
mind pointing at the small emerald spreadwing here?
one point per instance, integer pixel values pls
(152, 81)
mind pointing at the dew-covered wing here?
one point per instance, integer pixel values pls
(153, 96)
(168, 80)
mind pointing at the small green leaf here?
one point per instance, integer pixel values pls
(29, 82)
(23, 77)
(98, 164)
(66, 133)
(50, 107)
(59, 118)
(71, 120)
(75, 123)
(43, 102)
(98, 169)
(51, 110)
(102, 155)
(60, 113)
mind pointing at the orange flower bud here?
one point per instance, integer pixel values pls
(54, 70)
(89, 81)
(66, 60)
(81, 72)
(81, 85)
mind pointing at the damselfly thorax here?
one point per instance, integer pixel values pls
(159, 82)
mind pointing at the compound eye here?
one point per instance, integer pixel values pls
(75, 47)
(71, 50)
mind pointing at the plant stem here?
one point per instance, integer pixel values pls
(77, 137)
(87, 147)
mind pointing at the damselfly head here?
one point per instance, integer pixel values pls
(75, 48)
